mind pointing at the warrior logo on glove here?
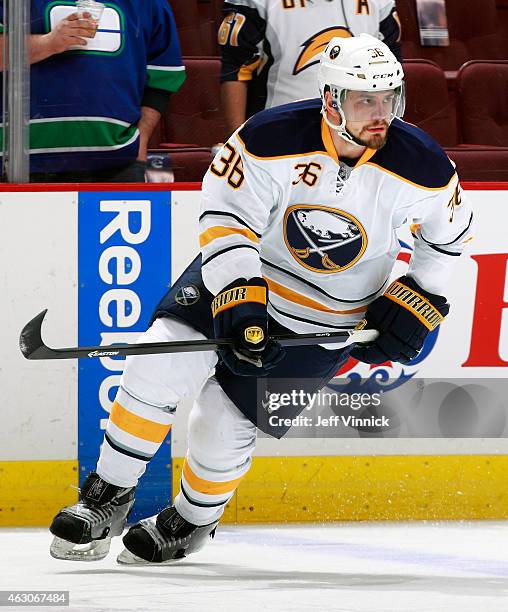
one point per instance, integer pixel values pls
(235, 296)
(415, 303)
(404, 315)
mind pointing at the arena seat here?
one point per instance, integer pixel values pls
(196, 25)
(474, 164)
(193, 117)
(482, 93)
(502, 20)
(190, 166)
(474, 33)
(186, 13)
(480, 163)
(209, 14)
(428, 104)
(217, 9)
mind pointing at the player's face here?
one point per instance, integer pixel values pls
(368, 115)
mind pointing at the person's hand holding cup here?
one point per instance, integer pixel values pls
(91, 11)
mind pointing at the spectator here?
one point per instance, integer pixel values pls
(270, 48)
(97, 97)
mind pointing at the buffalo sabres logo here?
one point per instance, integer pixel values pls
(335, 52)
(313, 46)
(186, 296)
(323, 239)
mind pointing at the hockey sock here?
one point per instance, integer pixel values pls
(134, 433)
(204, 492)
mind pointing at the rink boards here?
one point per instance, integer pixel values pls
(100, 271)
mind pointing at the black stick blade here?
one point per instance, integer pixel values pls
(30, 339)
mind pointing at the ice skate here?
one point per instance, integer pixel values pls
(83, 531)
(163, 538)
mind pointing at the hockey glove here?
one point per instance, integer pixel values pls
(239, 312)
(404, 315)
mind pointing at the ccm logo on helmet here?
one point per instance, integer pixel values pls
(383, 76)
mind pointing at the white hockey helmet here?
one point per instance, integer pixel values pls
(359, 63)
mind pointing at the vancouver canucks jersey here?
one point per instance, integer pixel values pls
(86, 103)
(278, 202)
(279, 42)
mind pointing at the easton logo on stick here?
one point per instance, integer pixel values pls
(103, 353)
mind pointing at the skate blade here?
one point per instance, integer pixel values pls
(68, 551)
(128, 558)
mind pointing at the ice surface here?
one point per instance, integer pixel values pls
(343, 567)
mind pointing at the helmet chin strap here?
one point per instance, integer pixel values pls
(341, 129)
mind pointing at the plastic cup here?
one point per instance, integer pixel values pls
(95, 9)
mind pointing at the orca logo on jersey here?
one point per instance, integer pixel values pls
(313, 46)
(323, 239)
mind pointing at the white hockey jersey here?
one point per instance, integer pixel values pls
(277, 202)
(279, 41)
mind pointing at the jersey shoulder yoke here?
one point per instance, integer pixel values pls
(289, 130)
(413, 156)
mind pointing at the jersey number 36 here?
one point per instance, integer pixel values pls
(230, 165)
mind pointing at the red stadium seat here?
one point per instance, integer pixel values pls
(482, 90)
(186, 165)
(194, 116)
(473, 30)
(217, 9)
(480, 163)
(428, 104)
(196, 25)
(187, 20)
(190, 166)
(502, 20)
(208, 16)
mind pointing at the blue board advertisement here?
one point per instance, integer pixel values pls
(124, 268)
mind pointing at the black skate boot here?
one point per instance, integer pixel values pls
(83, 532)
(162, 538)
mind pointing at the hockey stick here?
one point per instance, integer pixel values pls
(32, 345)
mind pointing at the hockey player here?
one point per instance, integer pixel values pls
(270, 48)
(297, 232)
